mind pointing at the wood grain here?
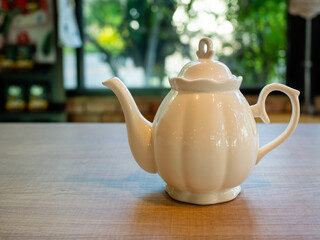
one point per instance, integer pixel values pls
(79, 181)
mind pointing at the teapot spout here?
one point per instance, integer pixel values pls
(138, 128)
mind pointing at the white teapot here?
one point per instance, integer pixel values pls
(203, 141)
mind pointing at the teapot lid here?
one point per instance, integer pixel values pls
(205, 74)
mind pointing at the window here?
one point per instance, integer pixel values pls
(145, 42)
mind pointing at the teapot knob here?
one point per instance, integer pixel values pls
(205, 53)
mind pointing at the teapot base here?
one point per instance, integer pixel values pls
(203, 198)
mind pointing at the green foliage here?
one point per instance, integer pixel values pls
(102, 21)
(126, 28)
(259, 40)
(144, 30)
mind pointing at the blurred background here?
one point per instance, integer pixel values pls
(55, 54)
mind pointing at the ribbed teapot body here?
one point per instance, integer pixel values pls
(204, 141)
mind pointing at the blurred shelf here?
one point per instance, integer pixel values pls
(39, 73)
(48, 74)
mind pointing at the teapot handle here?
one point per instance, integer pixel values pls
(259, 110)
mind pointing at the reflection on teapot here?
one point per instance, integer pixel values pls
(203, 141)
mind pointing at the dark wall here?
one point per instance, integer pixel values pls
(296, 54)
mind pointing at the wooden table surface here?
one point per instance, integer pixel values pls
(79, 181)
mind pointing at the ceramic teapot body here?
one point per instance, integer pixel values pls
(204, 155)
(203, 141)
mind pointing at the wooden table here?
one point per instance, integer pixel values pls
(79, 181)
